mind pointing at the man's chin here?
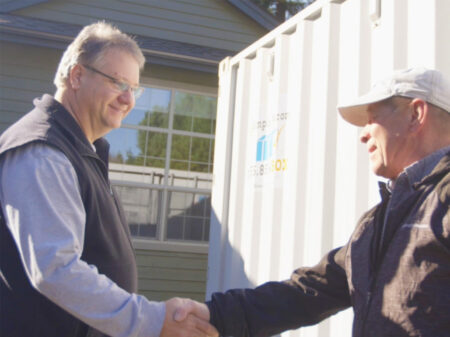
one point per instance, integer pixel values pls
(384, 173)
(115, 124)
(378, 170)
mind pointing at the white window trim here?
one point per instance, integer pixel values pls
(181, 86)
(170, 246)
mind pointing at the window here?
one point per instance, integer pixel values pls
(161, 163)
(188, 216)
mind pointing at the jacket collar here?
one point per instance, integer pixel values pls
(421, 172)
(440, 169)
(61, 115)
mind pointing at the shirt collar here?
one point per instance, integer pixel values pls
(420, 169)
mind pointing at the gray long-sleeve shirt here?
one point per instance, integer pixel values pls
(47, 222)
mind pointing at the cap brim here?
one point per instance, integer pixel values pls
(356, 112)
(356, 115)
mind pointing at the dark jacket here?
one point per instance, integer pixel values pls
(23, 310)
(398, 286)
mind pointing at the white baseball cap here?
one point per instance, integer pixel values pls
(429, 85)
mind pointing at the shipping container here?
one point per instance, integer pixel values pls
(291, 178)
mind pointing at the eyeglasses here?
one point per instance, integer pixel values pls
(121, 86)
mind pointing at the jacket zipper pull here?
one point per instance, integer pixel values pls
(366, 313)
(368, 298)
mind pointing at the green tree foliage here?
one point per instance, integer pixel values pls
(152, 145)
(193, 113)
(282, 9)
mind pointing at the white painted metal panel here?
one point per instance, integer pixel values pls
(290, 177)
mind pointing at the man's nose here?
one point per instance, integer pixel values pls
(127, 97)
(364, 135)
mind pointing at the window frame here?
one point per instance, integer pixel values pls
(161, 242)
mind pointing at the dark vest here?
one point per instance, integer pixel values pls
(24, 312)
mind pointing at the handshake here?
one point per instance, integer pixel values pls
(187, 318)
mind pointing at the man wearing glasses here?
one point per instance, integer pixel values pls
(67, 264)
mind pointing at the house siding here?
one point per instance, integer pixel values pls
(25, 73)
(212, 23)
(164, 274)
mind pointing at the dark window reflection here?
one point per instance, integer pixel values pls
(141, 207)
(189, 217)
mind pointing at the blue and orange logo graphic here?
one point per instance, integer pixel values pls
(267, 144)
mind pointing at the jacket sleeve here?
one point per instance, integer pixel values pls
(309, 296)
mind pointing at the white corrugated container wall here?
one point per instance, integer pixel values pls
(290, 177)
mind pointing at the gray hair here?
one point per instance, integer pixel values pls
(90, 46)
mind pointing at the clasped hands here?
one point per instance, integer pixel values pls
(187, 318)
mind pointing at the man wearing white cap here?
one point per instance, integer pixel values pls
(404, 119)
(395, 269)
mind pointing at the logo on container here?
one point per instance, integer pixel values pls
(266, 151)
(265, 147)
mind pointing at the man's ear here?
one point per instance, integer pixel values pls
(419, 114)
(75, 74)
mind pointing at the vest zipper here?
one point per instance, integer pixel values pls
(111, 192)
(108, 183)
(378, 260)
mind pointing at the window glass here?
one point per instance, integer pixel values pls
(155, 147)
(141, 206)
(125, 146)
(137, 147)
(151, 109)
(191, 153)
(138, 157)
(181, 146)
(195, 113)
(200, 154)
(189, 217)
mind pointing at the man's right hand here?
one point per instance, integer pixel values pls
(187, 318)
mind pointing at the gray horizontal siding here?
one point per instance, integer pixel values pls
(25, 73)
(163, 275)
(212, 23)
